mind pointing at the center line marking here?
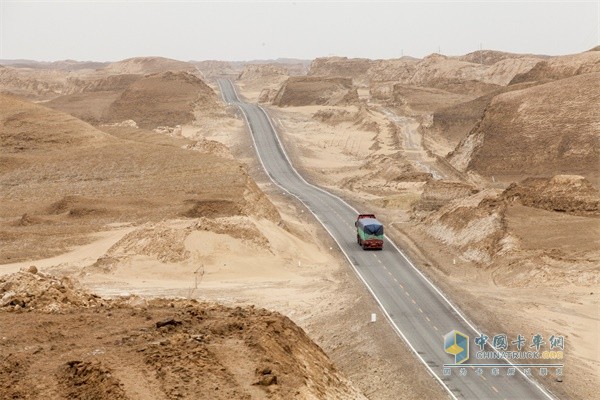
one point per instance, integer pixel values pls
(495, 390)
(427, 318)
(435, 327)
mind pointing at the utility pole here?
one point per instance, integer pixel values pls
(480, 53)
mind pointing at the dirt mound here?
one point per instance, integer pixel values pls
(566, 193)
(475, 226)
(550, 128)
(316, 90)
(32, 290)
(147, 65)
(21, 130)
(362, 118)
(164, 349)
(210, 146)
(90, 380)
(561, 67)
(438, 193)
(167, 99)
(161, 241)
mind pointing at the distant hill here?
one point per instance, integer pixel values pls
(147, 65)
(71, 65)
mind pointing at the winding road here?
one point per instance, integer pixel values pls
(419, 312)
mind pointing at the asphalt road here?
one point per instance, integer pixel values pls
(417, 310)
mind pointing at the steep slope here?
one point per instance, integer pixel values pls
(452, 124)
(27, 128)
(91, 103)
(164, 99)
(561, 67)
(311, 90)
(491, 57)
(73, 344)
(547, 129)
(354, 68)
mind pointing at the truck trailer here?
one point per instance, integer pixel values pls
(369, 232)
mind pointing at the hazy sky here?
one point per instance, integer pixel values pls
(243, 30)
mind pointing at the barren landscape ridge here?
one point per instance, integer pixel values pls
(187, 229)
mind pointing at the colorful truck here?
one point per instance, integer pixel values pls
(369, 232)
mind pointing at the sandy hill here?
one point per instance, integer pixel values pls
(132, 348)
(396, 70)
(147, 65)
(292, 66)
(345, 67)
(62, 179)
(164, 99)
(572, 194)
(364, 71)
(455, 75)
(491, 57)
(546, 129)
(258, 71)
(26, 128)
(39, 84)
(94, 96)
(311, 90)
(412, 99)
(561, 67)
(452, 124)
(469, 74)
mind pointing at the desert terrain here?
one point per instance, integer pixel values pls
(484, 167)
(137, 184)
(135, 193)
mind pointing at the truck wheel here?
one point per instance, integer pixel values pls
(358, 239)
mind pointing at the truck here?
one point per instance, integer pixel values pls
(369, 232)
